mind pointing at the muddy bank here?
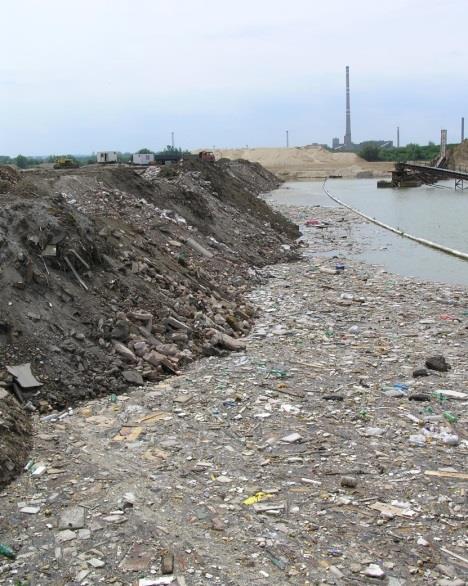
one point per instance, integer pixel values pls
(112, 277)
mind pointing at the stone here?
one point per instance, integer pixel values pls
(438, 363)
(374, 571)
(72, 518)
(418, 372)
(374, 432)
(292, 438)
(96, 563)
(30, 510)
(121, 330)
(64, 536)
(126, 354)
(133, 377)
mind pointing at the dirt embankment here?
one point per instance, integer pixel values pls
(310, 162)
(112, 277)
(458, 156)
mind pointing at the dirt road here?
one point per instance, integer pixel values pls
(315, 456)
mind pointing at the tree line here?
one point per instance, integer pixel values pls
(410, 152)
(24, 162)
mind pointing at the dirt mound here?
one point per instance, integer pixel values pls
(308, 162)
(9, 176)
(111, 277)
(458, 156)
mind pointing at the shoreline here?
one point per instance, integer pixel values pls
(365, 239)
(317, 414)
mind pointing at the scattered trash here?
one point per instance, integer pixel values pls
(257, 498)
(6, 551)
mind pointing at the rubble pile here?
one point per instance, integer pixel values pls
(293, 462)
(331, 448)
(109, 278)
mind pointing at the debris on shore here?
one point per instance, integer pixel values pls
(112, 277)
(304, 458)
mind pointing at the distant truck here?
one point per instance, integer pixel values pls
(106, 157)
(143, 158)
(206, 156)
(65, 163)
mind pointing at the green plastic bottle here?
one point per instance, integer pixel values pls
(7, 551)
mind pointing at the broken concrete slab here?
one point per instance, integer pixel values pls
(23, 376)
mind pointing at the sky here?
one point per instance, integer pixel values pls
(78, 77)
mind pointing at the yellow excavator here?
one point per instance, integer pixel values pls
(65, 163)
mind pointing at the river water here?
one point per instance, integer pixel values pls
(437, 213)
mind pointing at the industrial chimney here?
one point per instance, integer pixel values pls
(347, 138)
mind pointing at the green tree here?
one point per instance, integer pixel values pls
(144, 152)
(370, 152)
(21, 162)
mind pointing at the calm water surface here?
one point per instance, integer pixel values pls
(437, 213)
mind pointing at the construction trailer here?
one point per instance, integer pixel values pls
(143, 158)
(107, 157)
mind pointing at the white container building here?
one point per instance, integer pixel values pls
(106, 157)
(143, 158)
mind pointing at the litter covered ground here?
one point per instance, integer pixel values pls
(331, 450)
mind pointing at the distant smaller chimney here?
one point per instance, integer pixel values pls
(462, 129)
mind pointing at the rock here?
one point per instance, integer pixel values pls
(30, 510)
(420, 372)
(418, 440)
(217, 524)
(72, 518)
(438, 363)
(374, 432)
(448, 582)
(177, 325)
(126, 354)
(374, 571)
(225, 341)
(292, 438)
(348, 481)
(133, 377)
(419, 397)
(154, 358)
(167, 349)
(140, 348)
(96, 563)
(64, 536)
(121, 330)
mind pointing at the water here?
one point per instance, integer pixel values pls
(438, 213)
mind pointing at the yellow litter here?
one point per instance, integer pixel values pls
(256, 498)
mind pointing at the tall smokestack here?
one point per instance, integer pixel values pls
(462, 129)
(347, 137)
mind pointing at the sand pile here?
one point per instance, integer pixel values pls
(308, 162)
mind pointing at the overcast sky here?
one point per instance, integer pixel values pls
(82, 76)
